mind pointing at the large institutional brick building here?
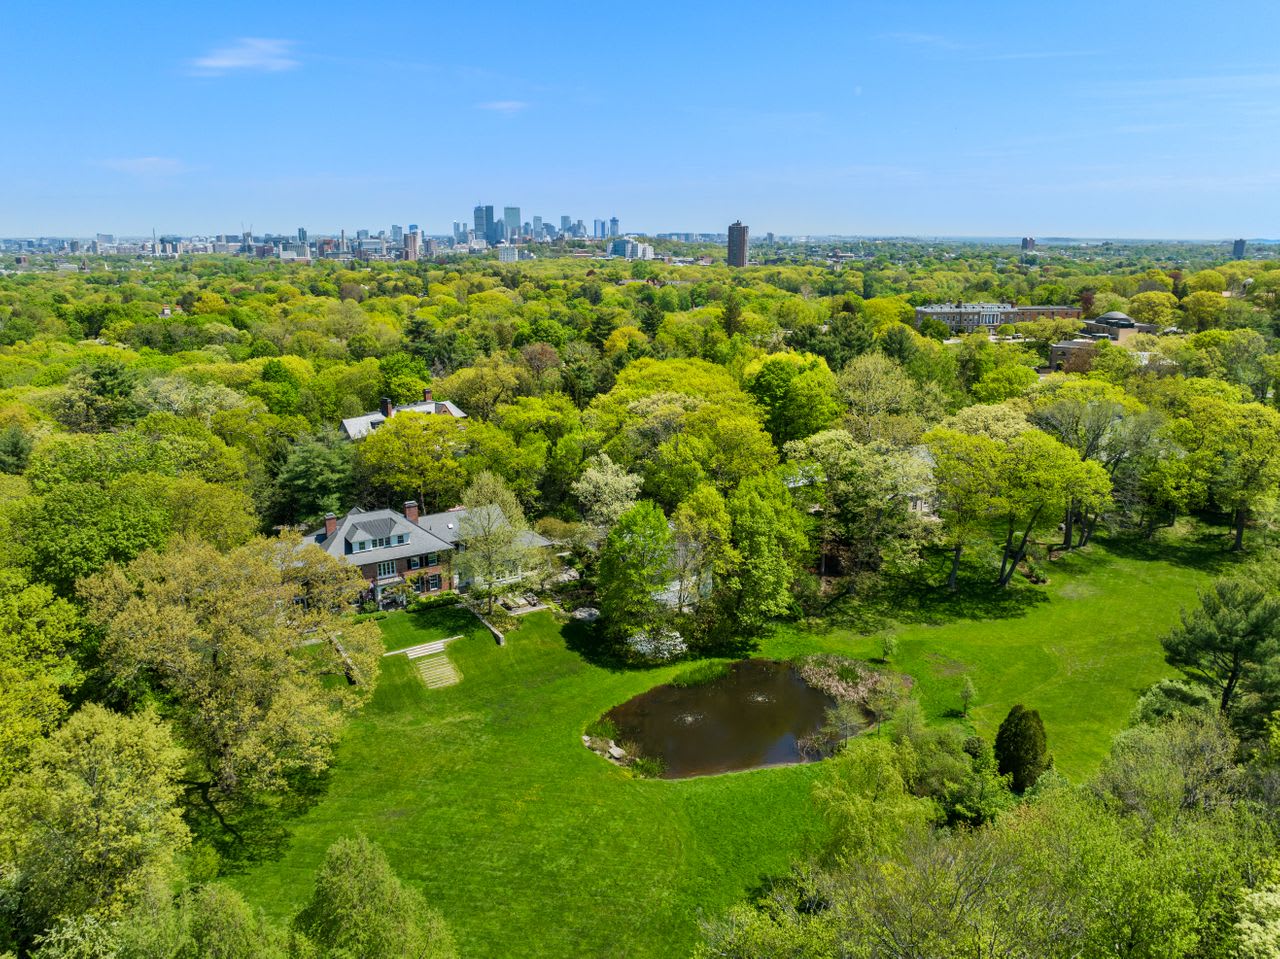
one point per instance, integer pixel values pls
(971, 317)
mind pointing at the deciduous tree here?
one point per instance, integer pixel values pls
(635, 565)
(240, 642)
(93, 822)
(360, 909)
(494, 538)
(418, 453)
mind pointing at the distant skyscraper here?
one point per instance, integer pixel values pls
(1237, 250)
(302, 235)
(597, 229)
(1028, 244)
(613, 226)
(397, 233)
(413, 228)
(411, 245)
(362, 234)
(737, 244)
(566, 224)
(486, 228)
(537, 228)
(511, 217)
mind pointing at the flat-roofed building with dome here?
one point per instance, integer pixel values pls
(1117, 326)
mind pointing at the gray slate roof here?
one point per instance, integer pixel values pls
(375, 524)
(358, 427)
(446, 527)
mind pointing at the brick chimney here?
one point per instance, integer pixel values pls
(330, 524)
(385, 407)
(411, 510)
(427, 396)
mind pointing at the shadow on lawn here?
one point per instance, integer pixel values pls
(912, 603)
(588, 640)
(1206, 549)
(255, 832)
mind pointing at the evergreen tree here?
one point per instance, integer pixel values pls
(314, 480)
(1230, 644)
(1020, 747)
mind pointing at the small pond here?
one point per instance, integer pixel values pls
(754, 715)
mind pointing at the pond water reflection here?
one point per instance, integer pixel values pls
(754, 715)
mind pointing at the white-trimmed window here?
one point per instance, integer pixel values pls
(414, 562)
(386, 568)
(433, 582)
(432, 559)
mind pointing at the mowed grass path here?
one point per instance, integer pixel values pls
(483, 796)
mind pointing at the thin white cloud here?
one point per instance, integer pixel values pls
(247, 55)
(146, 166)
(507, 107)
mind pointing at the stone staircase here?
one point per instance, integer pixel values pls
(431, 662)
(436, 671)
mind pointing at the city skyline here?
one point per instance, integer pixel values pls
(195, 119)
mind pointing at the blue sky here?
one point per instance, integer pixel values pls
(1124, 119)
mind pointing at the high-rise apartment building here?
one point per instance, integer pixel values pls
(613, 226)
(1028, 244)
(411, 245)
(511, 217)
(1237, 250)
(302, 234)
(737, 243)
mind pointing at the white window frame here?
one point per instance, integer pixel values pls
(382, 566)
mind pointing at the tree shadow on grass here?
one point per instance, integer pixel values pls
(589, 641)
(448, 619)
(913, 602)
(245, 834)
(1205, 549)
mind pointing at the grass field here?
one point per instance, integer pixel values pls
(530, 845)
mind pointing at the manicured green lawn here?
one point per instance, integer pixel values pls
(530, 845)
(1079, 650)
